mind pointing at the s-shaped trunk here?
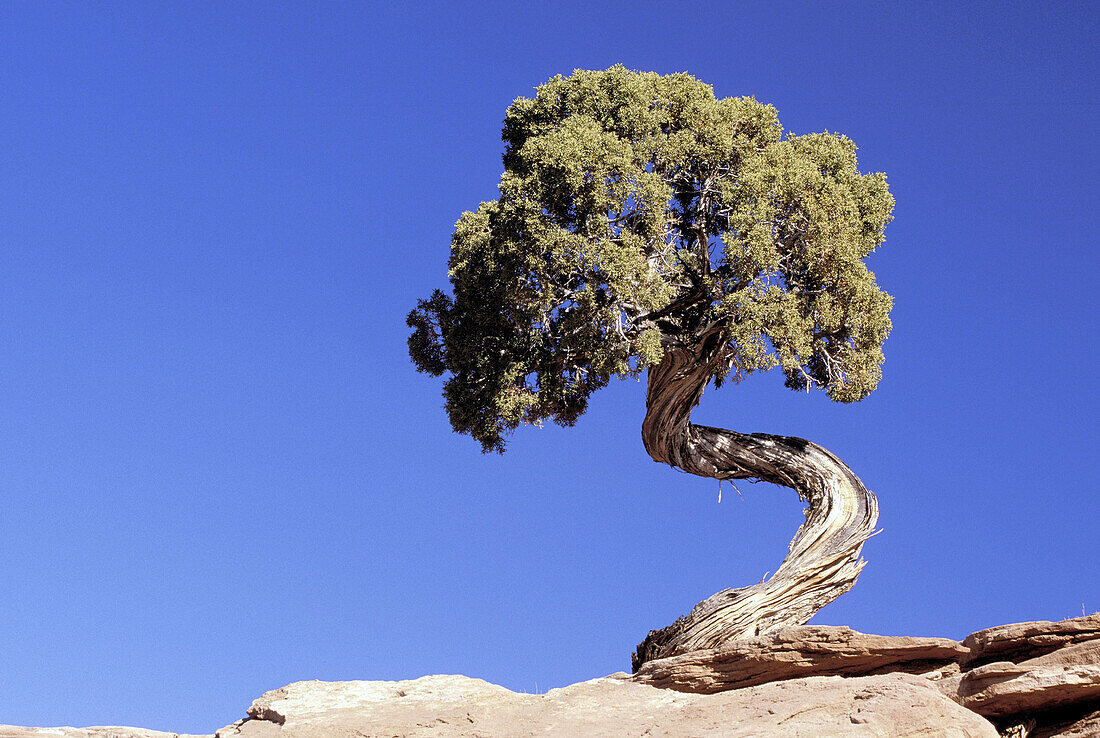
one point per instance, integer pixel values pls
(823, 561)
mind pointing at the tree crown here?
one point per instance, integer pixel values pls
(639, 214)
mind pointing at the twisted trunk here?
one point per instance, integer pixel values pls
(823, 561)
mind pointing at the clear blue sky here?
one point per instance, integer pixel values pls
(220, 472)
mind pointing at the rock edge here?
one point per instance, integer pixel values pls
(1026, 680)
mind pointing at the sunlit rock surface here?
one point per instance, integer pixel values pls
(1024, 680)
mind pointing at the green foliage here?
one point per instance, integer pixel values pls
(638, 214)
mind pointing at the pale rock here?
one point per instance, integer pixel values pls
(1020, 641)
(305, 699)
(1066, 676)
(1036, 679)
(96, 731)
(891, 706)
(1003, 688)
(801, 651)
(1079, 654)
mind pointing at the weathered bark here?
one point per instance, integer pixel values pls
(823, 561)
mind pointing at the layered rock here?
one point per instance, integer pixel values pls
(1020, 641)
(97, 731)
(891, 705)
(1056, 693)
(1025, 680)
(1032, 679)
(803, 680)
(1005, 688)
(800, 651)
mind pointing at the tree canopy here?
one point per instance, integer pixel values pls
(638, 213)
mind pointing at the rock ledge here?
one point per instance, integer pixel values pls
(1024, 680)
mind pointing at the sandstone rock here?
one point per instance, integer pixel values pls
(1079, 654)
(900, 705)
(1020, 641)
(1066, 676)
(809, 650)
(1003, 688)
(305, 699)
(1036, 679)
(99, 731)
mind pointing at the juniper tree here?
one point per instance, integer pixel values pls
(646, 226)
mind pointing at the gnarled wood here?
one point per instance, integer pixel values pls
(823, 561)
